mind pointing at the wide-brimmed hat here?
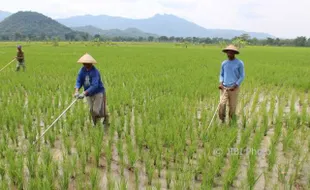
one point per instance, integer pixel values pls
(86, 58)
(231, 48)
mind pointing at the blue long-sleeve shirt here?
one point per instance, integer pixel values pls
(91, 81)
(232, 72)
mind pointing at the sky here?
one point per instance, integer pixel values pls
(281, 18)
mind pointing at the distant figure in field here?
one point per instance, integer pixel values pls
(231, 76)
(20, 57)
(89, 77)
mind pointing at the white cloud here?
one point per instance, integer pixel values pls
(283, 18)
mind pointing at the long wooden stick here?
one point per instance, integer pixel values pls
(225, 90)
(56, 120)
(7, 64)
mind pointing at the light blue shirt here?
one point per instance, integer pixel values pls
(232, 72)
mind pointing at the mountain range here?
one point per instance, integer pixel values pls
(158, 25)
(129, 32)
(165, 25)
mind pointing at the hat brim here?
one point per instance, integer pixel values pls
(87, 59)
(233, 50)
(86, 62)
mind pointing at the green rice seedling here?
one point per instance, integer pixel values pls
(26, 131)
(158, 185)
(16, 171)
(168, 179)
(55, 168)
(33, 183)
(122, 185)
(288, 139)
(251, 176)
(120, 151)
(159, 165)
(32, 136)
(108, 152)
(87, 149)
(149, 168)
(292, 102)
(81, 182)
(272, 157)
(41, 171)
(46, 184)
(83, 162)
(230, 175)
(67, 142)
(132, 157)
(32, 161)
(74, 166)
(52, 139)
(80, 146)
(12, 134)
(3, 146)
(272, 151)
(111, 182)
(65, 177)
(191, 151)
(94, 178)
(2, 169)
(208, 179)
(98, 146)
(50, 176)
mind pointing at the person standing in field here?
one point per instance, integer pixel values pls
(20, 57)
(231, 76)
(94, 90)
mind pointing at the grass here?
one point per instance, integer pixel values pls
(154, 93)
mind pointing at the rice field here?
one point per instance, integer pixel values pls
(161, 98)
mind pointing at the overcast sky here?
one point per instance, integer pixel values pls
(282, 18)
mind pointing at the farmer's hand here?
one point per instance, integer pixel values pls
(76, 94)
(81, 96)
(221, 87)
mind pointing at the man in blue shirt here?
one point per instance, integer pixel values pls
(231, 77)
(89, 78)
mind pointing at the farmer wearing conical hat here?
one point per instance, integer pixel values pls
(20, 57)
(89, 78)
(231, 76)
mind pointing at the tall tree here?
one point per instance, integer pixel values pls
(300, 41)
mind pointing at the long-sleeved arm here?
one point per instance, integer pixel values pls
(242, 74)
(222, 74)
(94, 83)
(78, 84)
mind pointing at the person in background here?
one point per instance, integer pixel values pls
(20, 57)
(231, 76)
(89, 77)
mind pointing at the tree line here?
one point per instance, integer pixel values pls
(244, 39)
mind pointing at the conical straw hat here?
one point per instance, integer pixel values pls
(231, 48)
(87, 59)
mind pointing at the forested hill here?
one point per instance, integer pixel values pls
(32, 25)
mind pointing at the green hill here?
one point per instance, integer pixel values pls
(33, 25)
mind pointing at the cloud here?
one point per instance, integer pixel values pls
(283, 18)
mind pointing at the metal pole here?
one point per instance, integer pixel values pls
(56, 120)
(7, 64)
